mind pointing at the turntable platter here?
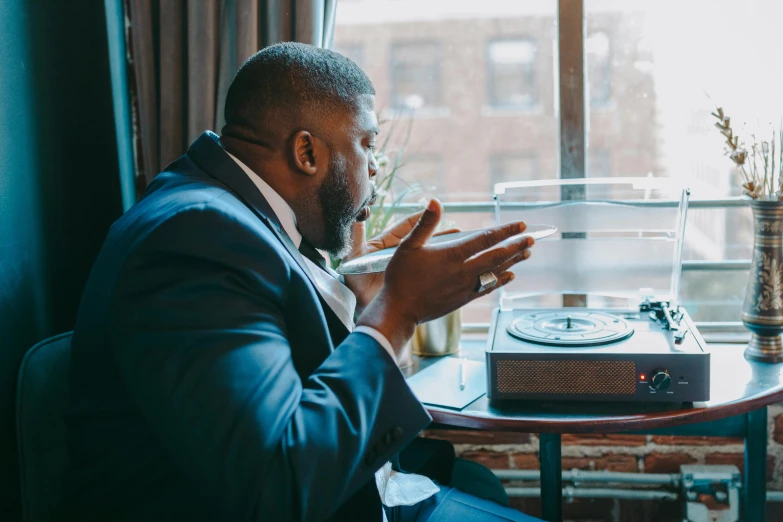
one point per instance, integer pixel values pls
(570, 329)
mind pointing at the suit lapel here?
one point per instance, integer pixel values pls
(210, 156)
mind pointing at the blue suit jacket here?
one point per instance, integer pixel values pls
(209, 381)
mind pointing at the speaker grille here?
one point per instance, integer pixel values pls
(567, 377)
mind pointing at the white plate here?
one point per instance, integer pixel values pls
(378, 261)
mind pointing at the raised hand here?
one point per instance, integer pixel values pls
(367, 286)
(425, 282)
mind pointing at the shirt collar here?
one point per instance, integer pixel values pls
(281, 209)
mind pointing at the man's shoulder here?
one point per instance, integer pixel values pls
(181, 189)
(173, 199)
(188, 215)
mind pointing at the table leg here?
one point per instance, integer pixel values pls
(551, 477)
(755, 487)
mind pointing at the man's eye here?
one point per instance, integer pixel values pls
(371, 146)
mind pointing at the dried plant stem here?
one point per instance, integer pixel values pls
(772, 183)
(765, 159)
(780, 161)
(739, 155)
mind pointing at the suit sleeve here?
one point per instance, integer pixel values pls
(200, 340)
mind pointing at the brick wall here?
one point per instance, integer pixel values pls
(622, 453)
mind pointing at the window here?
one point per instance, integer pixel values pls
(354, 51)
(426, 170)
(512, 74)
(415, 75)
(599, 164)
(645, 112)
(514, 167)
(439, 83)
(599, 68)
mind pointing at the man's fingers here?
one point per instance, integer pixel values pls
(513, 261)
(425, 227)
(397, 232)
(357, 239)
(486, 239)
(401, 228)
(452, 230)
(501, 257)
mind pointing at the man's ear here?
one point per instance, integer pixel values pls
(308, 152)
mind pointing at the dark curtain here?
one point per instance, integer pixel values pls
(184, 54)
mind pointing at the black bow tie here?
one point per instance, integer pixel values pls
(309, 251)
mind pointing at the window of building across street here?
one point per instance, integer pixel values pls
(415, 75)
(512, 73)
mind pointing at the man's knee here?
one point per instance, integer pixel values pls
(451, 504)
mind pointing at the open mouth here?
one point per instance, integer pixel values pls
(364, 213)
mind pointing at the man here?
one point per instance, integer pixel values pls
(216, 370)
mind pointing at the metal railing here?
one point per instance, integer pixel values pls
(489, 206)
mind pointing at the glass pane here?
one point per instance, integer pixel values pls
(353, 50)
(415, 75)
(599, 223)
(427, 170)
(512, 73)
(466, 96)
(655, 72)
(599, 62)
(520, 166)
(716, 235)
(719, 234)
(469, 83)
(711, 296)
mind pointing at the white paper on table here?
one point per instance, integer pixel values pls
(439, 384)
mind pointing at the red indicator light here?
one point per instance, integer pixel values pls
(642, 377)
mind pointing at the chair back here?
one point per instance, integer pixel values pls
(42, 395)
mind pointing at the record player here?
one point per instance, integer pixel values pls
(618, 252)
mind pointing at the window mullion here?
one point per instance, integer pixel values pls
(570, 41)
(571, 66)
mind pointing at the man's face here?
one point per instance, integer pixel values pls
(347, 191)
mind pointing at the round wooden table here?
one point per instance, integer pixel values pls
(740, 390)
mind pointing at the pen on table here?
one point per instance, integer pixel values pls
(461, 374)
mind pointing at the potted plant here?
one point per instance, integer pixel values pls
(762, 183)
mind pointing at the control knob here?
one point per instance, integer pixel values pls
(660, 380)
